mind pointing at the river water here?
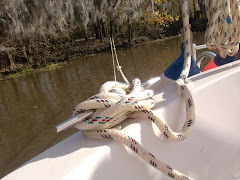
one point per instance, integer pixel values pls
(31, 105)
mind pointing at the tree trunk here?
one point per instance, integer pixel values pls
(111, 27)
(99, 30)
(115, 27)
(86, 33)
(194, 10)
(96, 31)
(29, 59)
(12, 63)
(103, 29)
(180, 7)
(129, 33)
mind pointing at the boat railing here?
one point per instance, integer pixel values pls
(203, 55)
(206, 54)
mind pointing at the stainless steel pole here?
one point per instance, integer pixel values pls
(72, 121)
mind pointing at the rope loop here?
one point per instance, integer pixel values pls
(119, 101)
(114, 103)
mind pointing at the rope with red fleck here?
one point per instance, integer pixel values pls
(223, 29)
(119, 101)
(113, 105)
(187, 43)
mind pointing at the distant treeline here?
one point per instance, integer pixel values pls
(35, 32)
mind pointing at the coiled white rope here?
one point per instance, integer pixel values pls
(119, 101)
(223, 29)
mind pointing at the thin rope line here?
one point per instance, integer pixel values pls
(114, 71)
(118, 65)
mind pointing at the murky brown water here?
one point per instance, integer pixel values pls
(31, 105)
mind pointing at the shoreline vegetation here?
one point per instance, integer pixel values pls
(38, 34)
(23, 69)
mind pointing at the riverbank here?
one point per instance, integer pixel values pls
(19, 56)
(63, 54)
(31, 55)
(33, 36)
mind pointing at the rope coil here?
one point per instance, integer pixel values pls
(119, 101)
(223, 26)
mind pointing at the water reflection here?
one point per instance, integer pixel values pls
(31, 105)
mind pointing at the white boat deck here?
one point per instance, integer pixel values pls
(212, 151)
